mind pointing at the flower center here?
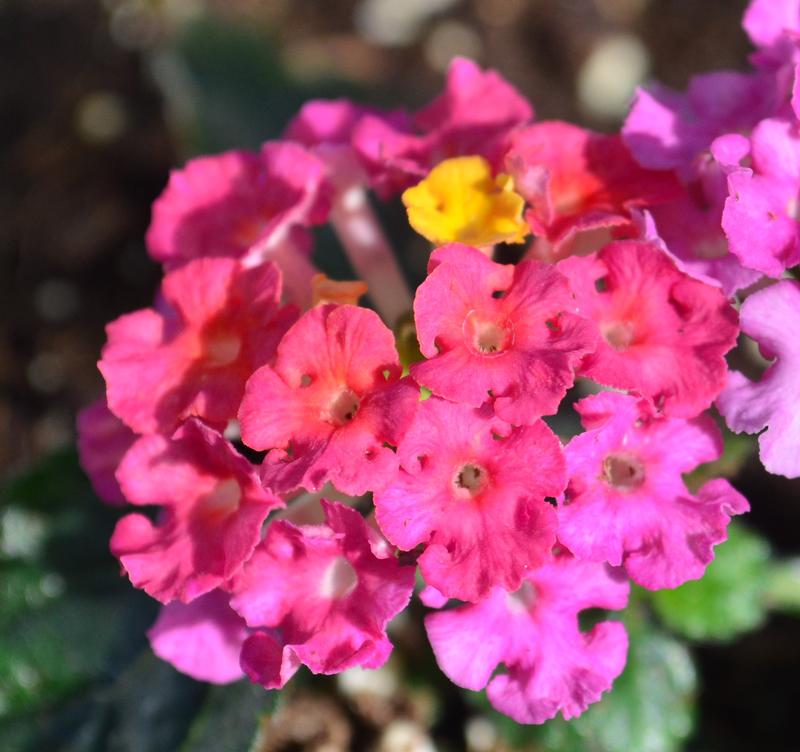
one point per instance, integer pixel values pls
(623, 471)
(222, 349)
(486, 336)
(470, 480)
(619, 335)
(339, 579)
(524, 599)
(343, 408)
(223, 499)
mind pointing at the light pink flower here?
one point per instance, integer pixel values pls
(472, 490)
(213, 507)
(330, 404)
(103, 440)
(578, 182)
(202, 639)
(664, 334)
(768, 316)
(763, 207)
(626, 502)
(321, 596)
(473, 116)
(501, 333)
(192, 356)
(551, 665)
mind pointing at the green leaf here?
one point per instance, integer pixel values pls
(783, 586)
(729, 599)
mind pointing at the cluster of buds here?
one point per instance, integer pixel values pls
(255, 385)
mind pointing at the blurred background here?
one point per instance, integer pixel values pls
(100, 98)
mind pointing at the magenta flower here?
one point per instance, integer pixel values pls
(324, 593)
(192, 356)
(773, 26)
(580, 182)
(103, 440)
(667, 129)
(330, 404)
(473, 116)
(213, 507)
(512, 329)
(551, 665)
(471, 490)
(761, 213)
(202, 639)
(664, 334)
(626, 502)
(770, 403)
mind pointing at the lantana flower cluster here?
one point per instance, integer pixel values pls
(295, 479)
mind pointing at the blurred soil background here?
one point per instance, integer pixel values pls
(101, 98)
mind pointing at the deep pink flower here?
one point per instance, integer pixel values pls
(551, 665)
(331, 403)
(761, 213)
(473, 116)
(626, 502)
(667, 129)
(103, 440)
(202, 639)
(472, 489)
(772, 403)
(498, 332)
(213, 507)
(217, 324)
(324, 593)
(664, 334)
(577, 182)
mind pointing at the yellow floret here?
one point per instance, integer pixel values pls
(460, 201)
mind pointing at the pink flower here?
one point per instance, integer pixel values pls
(325, 593)
(550, 664)
(330, 404)
(626, 502)
(691, 229)
(103, 440)
(761, 213)
(202, 639)
(577, 181)
(664, 334)
(193, 355)
(227, 204)
(213, 507)
(667, 129)
(768, 317)
(773, 26)
(471, 490)
(498, 332)
(473, 116)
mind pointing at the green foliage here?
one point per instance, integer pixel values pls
(729, 599)
(76, 672)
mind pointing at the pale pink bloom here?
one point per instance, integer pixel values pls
(664, 334)
(551, 665)
(320, 596)
(213, 507)
(103, 440)
(331, 403)
(202, 639)
(473, 116)
(497, 332)
(763, 207)
(191, 357)
(472, 490)
(626, 502)
(769, 317)
(578, 182)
